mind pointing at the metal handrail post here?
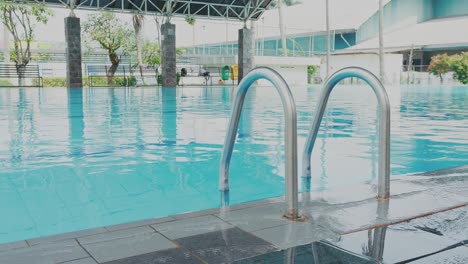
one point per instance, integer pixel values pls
(289, 107)
(384, 124)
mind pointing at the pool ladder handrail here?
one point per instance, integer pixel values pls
(289, 107)
(384, 124)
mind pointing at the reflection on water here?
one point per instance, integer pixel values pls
(74, 159)
(315, 253)
(438, 238)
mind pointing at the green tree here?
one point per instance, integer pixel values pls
(190, 20)
(311, 70)
(179, 51)
(440, 64)
(151, 54)
(459, 65)
(112, 35)
(21, 21)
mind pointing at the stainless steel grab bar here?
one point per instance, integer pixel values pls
(289, 107)
(384, 124)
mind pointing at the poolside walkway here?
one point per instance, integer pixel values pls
(253, 230)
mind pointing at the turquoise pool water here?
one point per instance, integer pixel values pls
(77, 159)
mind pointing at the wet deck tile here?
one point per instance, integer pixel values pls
(341, 220)
(225, 246)
(59, 237)
(47, 253)
(128, 247)
(314, 253)
(409, 206)
(409, 240)
(256, 218)
(191, 226)
(457, 255)
(13, 245)
(140, 223)
(294, 234)
(179, 256)
(81, 261)
(118, 234)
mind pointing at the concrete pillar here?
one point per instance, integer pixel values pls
(246, 52)
(168, 44)
(73, 52)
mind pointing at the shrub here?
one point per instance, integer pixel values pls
(311, 69)
(97, 81)
(121, 81)
(459, 65)
(440, 64)
(52, 82)
(116, 81)
(5, 83)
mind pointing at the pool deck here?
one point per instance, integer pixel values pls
(248, 230)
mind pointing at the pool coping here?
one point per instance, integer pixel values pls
(133, 224)
(405, 187)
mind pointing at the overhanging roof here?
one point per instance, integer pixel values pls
(442, 34)
(225, 9)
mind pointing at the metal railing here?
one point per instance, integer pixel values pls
(384, 124)
(289, 107)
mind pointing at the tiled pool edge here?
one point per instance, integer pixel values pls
(146, 222)
(232, 217)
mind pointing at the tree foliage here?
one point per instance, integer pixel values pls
(311, 69)
(274, 4)
(458, 63)
(150, 53)
(112, 35)
(21, 21)
(440, 64)
(180, 52)
(190, 20)
(459, 66)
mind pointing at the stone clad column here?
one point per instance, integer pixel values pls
(246, 50)
(73, 52)
(168, 44)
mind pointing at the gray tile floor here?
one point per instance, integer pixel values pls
(315, 253)
(225, 246)
(221, 235)
(426, 239)
(435, 239)
(178, 255)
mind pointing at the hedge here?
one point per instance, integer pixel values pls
(5, 83)
(97, 81)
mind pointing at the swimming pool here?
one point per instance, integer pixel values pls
(77, 159)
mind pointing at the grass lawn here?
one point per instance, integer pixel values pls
(4, 83)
